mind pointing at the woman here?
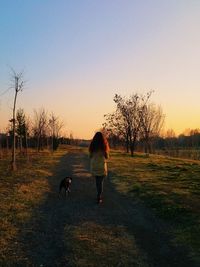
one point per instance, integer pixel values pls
(99, 150)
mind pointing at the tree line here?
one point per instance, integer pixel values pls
(186, 144)
(135, 124)
(42, 131)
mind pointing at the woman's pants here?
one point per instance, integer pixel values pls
(99, 185)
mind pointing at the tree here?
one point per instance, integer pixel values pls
(131, 109)
(17, 83)
(21, 126)
(116, 128)
(126, 120)
(152, 120)
(55, 127)
(0, 145)
(170, 139)
(40, 126)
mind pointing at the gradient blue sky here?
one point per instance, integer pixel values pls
(77, 54)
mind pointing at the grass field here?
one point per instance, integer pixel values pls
(20, 193)
(23, 191)
(169, 186)
(191, 153)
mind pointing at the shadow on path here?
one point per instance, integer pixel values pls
(44, 245)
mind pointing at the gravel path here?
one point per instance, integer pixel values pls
(43, 240)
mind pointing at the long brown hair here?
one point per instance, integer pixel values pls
(99, 143)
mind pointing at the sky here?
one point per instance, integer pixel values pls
(77, 54)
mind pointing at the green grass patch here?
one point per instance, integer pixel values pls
(169, 186)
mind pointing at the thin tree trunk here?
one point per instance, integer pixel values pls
(13, 162)
(26, 144)
(0, 146)
(7, 143)
(20, 143)
(127, 144)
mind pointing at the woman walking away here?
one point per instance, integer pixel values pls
(99, 150)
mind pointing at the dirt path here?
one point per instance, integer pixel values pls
(44, 241)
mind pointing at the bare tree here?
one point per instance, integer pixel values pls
(17, 83)
(22, 129)
(126, 120)
(116, 127)
(131, 108)
(194, 137)
(27, 133)
(1, 145)
(40, 126)
(55, 127)
(170, 139)
(152, 120)
(20, 126)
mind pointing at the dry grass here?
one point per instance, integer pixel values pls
(26, 189)
(20, 193)
(170, 187)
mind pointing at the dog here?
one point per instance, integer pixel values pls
(66, 185)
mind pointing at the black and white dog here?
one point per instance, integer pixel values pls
(66, 185)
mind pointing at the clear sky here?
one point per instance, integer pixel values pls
(76, 54)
